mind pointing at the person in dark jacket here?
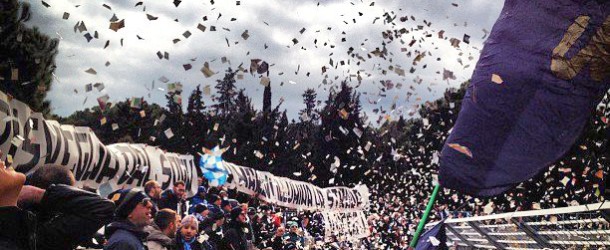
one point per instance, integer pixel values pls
(82, 213)
(213, 228)
(132, 214)
(214, 202)
(174, 198)
(235, 235)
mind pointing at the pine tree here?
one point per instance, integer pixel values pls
(226, 92)
(26, 57)
(309, 113)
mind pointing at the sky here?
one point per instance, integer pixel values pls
(296, 38)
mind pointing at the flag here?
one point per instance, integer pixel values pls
(212, 167)
(541, 73)
(433, 239)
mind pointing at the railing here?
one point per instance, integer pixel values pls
(577, 227)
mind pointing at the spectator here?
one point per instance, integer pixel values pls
(214, 203)
(80, 214)
(226, 207)
(294, 235)
(213, 229)
(237, 229)
(49, 174)
(174, 198)
(187, 235)
(153, 190)
(132, 214)
(162, 231)
(277, 243)
(201, 213)
(198, 198)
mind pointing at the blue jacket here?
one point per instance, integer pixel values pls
(123, 235)
(197, 199)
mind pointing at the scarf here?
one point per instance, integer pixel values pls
(187, 244)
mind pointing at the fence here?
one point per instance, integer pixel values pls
(577, 227)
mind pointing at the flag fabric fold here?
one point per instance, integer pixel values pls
(540, 76)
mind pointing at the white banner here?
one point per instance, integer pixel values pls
(345, 225)
(33, 142)
(297, 194)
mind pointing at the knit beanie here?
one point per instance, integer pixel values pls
(126, 201)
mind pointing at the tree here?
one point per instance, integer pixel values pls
(26, 57)
(309, 113)
(225, 89)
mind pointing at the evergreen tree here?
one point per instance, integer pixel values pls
(226, 92)
(26, 57)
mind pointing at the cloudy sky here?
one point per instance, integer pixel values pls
(329, 29)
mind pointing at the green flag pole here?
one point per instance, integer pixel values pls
(424, 218)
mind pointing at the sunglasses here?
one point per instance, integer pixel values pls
(146, 202)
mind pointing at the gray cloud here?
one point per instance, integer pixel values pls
(135, 65)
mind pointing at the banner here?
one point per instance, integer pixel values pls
(297, 194)
(345, 225)
(30, 141)
(540, 76)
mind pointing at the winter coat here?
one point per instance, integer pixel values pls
(235, 236)
(74, 216)
(214, 234)
(197, 199)
(124, 235)
(157, 240)
(171, 201)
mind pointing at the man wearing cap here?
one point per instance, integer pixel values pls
(226, 207)
(237, 229)
(214, 203)
(293, 236)
(132, 214)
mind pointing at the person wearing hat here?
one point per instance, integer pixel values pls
(214, 203)
(198, 198)
(235, 236)
(226, 207)
(201, 213)
(294, 235)
(132, 214)
(79, 214)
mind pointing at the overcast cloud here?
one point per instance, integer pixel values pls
(135, 65)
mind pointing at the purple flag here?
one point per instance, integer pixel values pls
(543, 70)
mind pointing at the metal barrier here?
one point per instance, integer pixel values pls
(577, 227)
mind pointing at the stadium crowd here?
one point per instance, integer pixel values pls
(46, 211)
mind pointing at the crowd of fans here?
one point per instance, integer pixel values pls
(46, 211)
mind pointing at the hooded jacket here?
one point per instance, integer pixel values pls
(124, 235)
(157, 240)
(77, 215)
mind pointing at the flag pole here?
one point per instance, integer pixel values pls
(424, 218)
